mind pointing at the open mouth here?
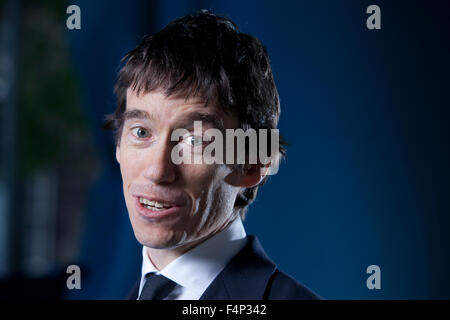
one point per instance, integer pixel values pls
(154, 205)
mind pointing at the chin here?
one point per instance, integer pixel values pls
(158, 239)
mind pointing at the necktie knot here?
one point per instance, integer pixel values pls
(156, 287)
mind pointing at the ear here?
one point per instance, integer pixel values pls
(118, 153)
(253, 175)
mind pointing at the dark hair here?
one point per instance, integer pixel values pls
(204, 55)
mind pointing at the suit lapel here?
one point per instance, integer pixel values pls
(245, 277)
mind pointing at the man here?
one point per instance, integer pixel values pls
(188, 215)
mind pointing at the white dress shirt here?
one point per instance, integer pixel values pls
(195, 270)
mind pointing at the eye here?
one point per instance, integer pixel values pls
(194, 141)
(140, 132)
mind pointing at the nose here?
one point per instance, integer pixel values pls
(159, 168)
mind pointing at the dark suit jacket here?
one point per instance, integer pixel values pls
(251, 275)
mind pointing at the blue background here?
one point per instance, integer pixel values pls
(366, 178)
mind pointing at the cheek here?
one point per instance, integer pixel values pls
(206, 182)
(130, 165)
(201, 176)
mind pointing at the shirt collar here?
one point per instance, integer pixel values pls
(197, 268)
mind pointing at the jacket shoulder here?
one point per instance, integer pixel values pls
(252, 275)
(284, 287)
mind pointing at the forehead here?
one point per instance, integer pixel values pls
(175, 108)
(157, 100)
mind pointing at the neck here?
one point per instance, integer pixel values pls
(162, 257)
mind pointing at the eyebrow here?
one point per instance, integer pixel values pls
(187, 122)
(135, 114)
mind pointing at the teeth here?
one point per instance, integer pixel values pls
(154, 204)
(153, 208)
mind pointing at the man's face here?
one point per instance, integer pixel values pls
(197, 201)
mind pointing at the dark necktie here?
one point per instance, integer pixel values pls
(156, 287)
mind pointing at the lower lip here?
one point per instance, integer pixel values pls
(149, 213)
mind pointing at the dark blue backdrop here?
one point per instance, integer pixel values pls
(366, 179)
